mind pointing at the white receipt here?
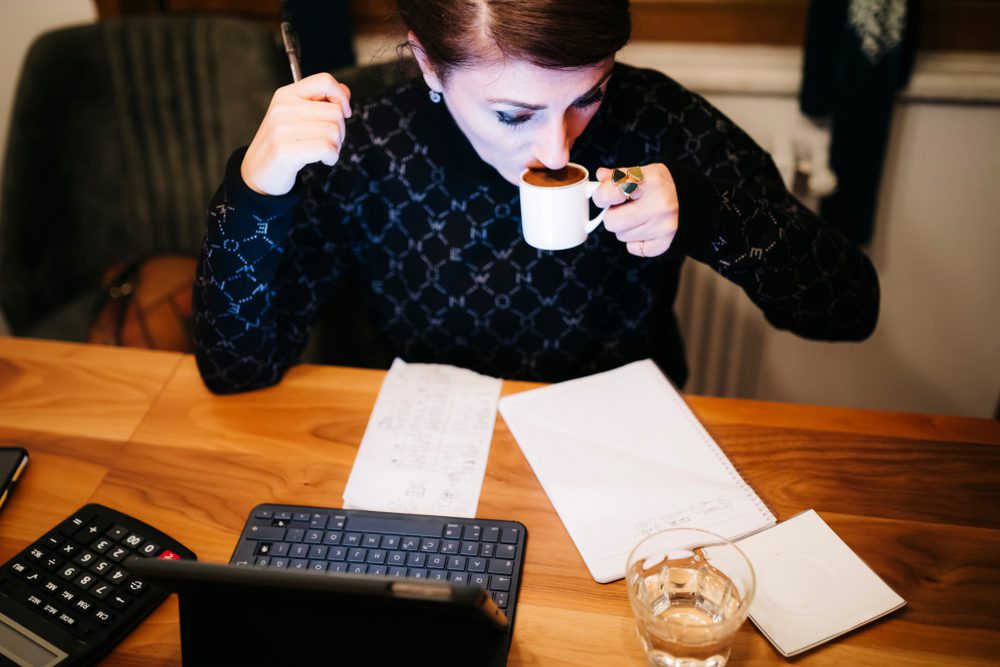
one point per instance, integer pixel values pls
(427, 441)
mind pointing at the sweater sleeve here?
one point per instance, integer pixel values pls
(263, 273)
(737, 216)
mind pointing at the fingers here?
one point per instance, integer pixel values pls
(646, 218)
(305, 123)
(323, 87)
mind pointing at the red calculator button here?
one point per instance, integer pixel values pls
(168, 555)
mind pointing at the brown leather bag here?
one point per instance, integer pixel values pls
(147, 304)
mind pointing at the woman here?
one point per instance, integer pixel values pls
(414, 193)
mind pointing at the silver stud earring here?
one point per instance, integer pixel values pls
(435, 95)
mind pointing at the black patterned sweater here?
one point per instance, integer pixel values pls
(433, 235)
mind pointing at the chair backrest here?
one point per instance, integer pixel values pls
(119, 135)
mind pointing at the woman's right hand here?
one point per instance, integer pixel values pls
(304, 124)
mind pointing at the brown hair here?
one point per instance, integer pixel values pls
(561, 34)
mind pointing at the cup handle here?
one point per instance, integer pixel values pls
(592, 225)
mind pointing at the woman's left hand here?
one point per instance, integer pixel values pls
(646, 220)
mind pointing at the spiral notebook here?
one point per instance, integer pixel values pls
(620, 456)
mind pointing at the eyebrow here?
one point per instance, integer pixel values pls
(539, 107)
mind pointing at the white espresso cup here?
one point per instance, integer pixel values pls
(555, 211)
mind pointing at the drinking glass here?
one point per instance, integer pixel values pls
(690, 591)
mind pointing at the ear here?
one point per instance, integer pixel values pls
(430, 77)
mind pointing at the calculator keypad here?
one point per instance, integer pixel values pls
(73, 575)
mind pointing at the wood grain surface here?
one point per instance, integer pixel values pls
(916, 496)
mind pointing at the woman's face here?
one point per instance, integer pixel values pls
(518, 115)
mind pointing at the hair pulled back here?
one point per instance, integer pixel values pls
(560, 34)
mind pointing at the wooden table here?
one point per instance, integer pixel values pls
(916, 496)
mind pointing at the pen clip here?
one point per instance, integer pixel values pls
(291, 42)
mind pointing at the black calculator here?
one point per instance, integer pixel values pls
(67, 599)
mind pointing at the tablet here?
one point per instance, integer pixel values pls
(248, 615)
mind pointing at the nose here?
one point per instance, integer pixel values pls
(551, 146)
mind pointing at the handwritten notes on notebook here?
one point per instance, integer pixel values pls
(427, 441)
(621, 455)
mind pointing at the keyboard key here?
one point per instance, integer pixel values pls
(295, 534)
(91, 531)
(35, 554)
(499, 583)
(298, 564)
(264, 514)
(317, 552)
(85, 580)
(376, 556)
(357, 555)
(371, 540)
(85, 558)
(116, 532)
(461, 578)
(429, 545)
(377, 570)
(491, 534)
(437, 561)
(336, 522)
(397, 558)
(477, 564)
(68, 549)
(500, 599)
(69, 572)
(102, 616)
(409, 544)
(506, 551)
(317, 566)
(453, 531)
(51, 563)
(499, 566)
(280, 549)
(117, 554)
(486, 549)
(73, 524)
(357, 568)
(118, 576)
(472, 532)
(102, 567)
(101, 545)
(336, 553)
(299, 551)
(397, 571)
(280, 563)
(83, 604)
(317, 521)
(437, 575)
(415, 527)
(332, 537)
(150, 549)
(66, 596)
(456, 563)
(478, 580)
(283, 515)
(390, 542)
(450, 546)
(267, 533)
(416, 573)
(351, 539)
(313, 537)
(337, 567)
(119, 601)
(470, 548)
(50, 587)
(136, 586)
(416, 560)
(509, 535)
(301, 516)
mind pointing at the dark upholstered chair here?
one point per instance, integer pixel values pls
(119, 135)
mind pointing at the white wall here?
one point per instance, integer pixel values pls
(937, 345)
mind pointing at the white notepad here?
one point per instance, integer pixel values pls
(810, 586)
(620, 456)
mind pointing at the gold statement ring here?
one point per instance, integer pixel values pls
(627, 180)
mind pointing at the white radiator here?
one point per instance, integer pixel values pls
(723, 334)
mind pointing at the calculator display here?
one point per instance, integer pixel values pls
(18, 646)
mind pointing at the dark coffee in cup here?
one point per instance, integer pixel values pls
(554, 178)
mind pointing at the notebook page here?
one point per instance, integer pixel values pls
(425, 448)
(620, 456)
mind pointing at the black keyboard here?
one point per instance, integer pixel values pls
(476, 552)
(67, 598)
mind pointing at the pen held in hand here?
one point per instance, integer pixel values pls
(291, 49)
